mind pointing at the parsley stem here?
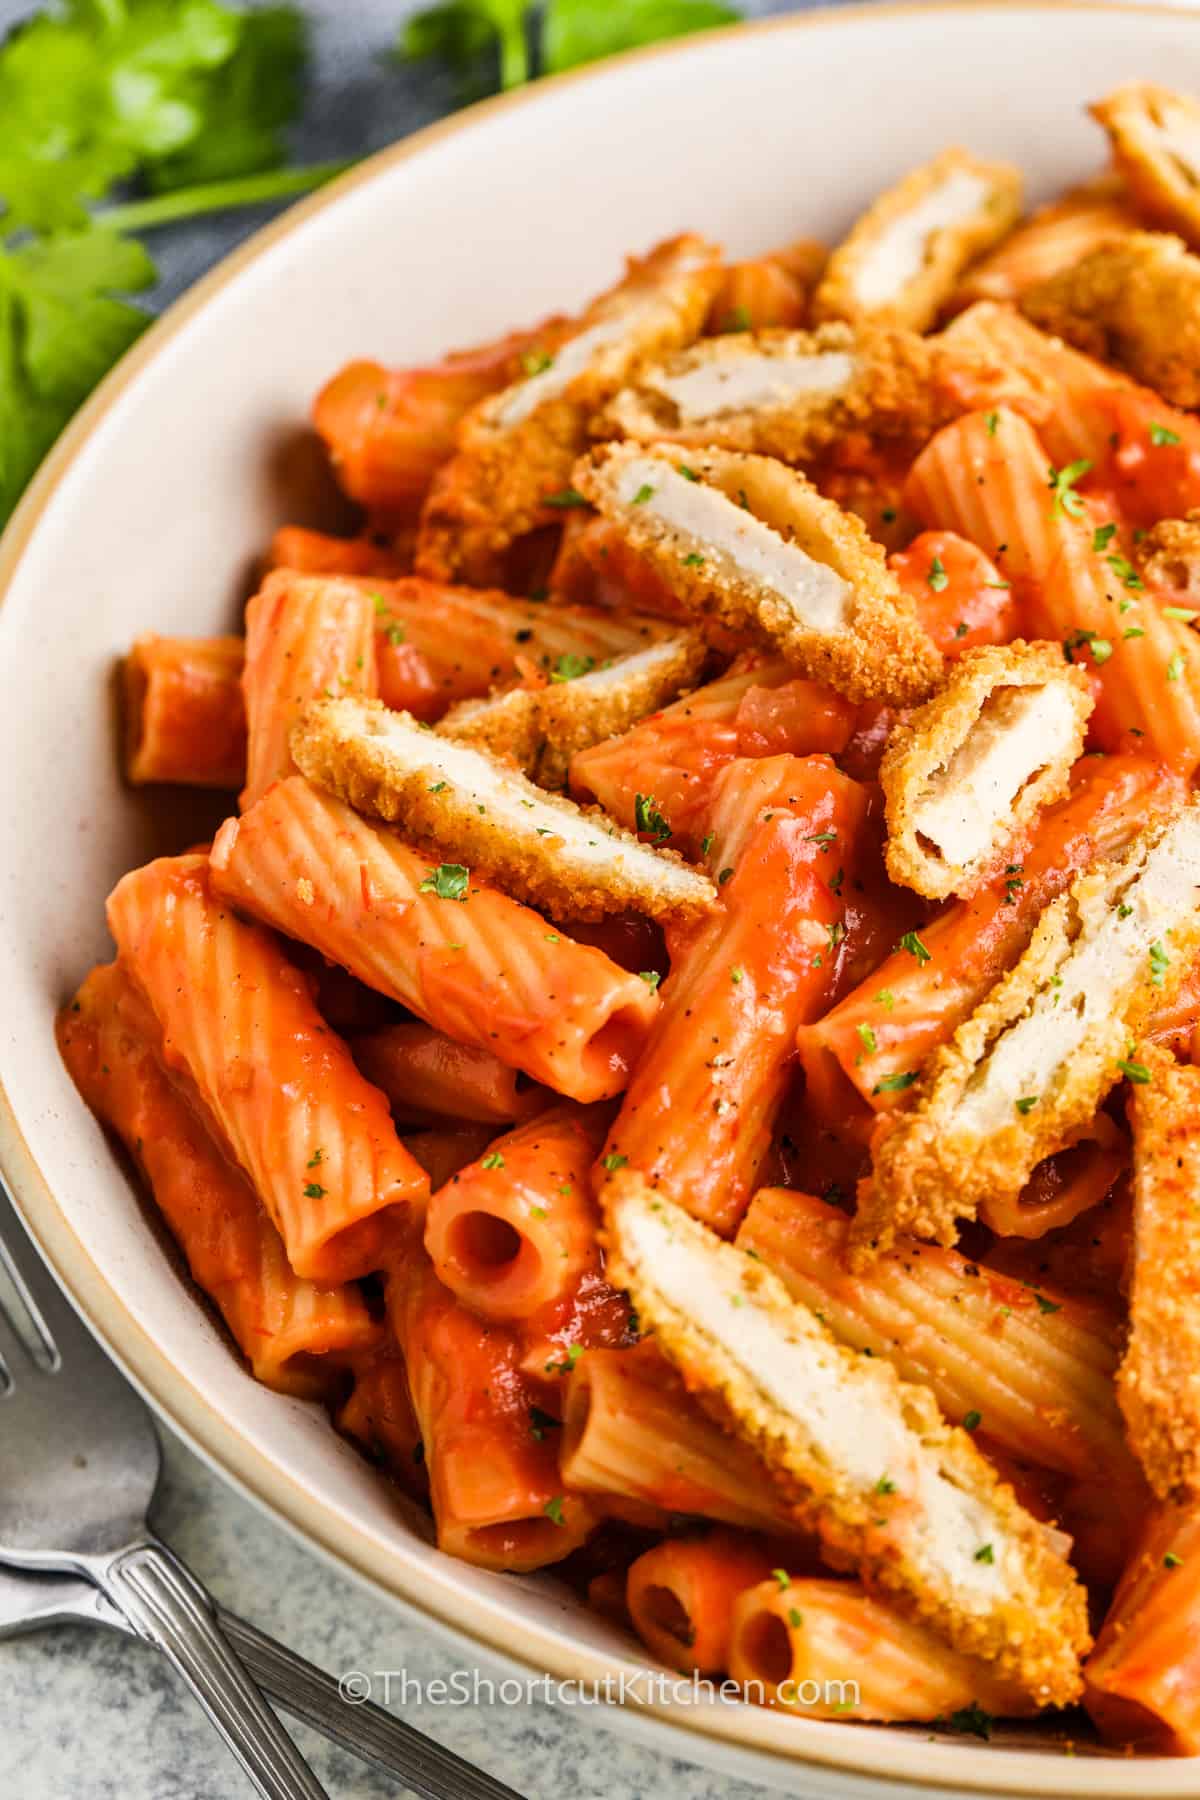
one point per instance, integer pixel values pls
(217, 196)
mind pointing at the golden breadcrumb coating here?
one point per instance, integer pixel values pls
(1168, 556)
(470, 807)
(541, 729)
(744, 392)
(1158, 1384)
(851, 625)
(1038, 1056)
(1054, 237)
(1155, 136)
(944, 757)
(515, 448)
(866, 1460)
(870, 275)
(1134, 303)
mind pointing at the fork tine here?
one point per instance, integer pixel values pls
(49, 1310)
(14, 1354)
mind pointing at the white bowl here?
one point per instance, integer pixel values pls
(149, 513)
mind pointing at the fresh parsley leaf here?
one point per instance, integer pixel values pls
(895, 1084)
(566, 499)
(553, 1510)
(493, 1160)
(912, 943)
(972, 1420)
(938, 578)
(1062, 486)
(580, 31)
(613, 1161)
(570, 667)
(648, 818)
(1161, 434)
(448, 881)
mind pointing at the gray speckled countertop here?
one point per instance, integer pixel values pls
(90, 1716)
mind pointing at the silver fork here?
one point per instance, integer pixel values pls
(32, 1601)
(79, 1464)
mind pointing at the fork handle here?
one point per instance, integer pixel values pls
(168, 1608)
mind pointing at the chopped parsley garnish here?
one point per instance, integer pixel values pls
(867, 1039)
(795, 1618)
(972, 1420)
(644, 493)
(536, 362)
(1160, 962)
(985, 1554)
(613, 1161)
(1136, 1072)
(885, 1485)
(886, 999)
(688, 474)
(1062, 486)
(972, 1721)
(570, 1358)
(318, 1156)
(991, 420)
(1103, 536)
(648, 818)
(314, 1191)
(565, 499)
(1100, 647)
(553, 1510)
(1175, 666)
(706, 842)
(692, 560)
(1046, 1306)
(1161, 435)
(895, 1084)
(570, 667)
(1172, 1561)
(782, 1577)
(1185, 614)
(493, 1160)
(912, 943)
(448, 881)
(737, 974)
(738, 319)
(1125, 573)
(651, 977)
(837, 932)
(938, 578)
(824, 838)
(1027, 1103)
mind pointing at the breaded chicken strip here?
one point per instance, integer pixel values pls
(1158, 1384)
(1168, 556)
(1036, 1058)
(471, 808)
(751, 543)
(512, 469)
(788, 394)
(1055, 237)
(542, 728)
(867, 1460)
(1134, 303)
(965, 776)
(1155, 135)
(903, 259)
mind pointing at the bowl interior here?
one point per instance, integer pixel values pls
(150, 516)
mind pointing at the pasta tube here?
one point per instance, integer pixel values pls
(631, 1429)
(424, 1073)
(294, 1334)
(903, 259)
(866, 1459)
(681, 1596)
(829, 1649)
(966, 775)
(759, 707)
(378, 1414)
(515, 450)
(1143, 1678)
(184, 715)
(989, 477)
(515, 1231)
(751, 543)
(317, 553)
(461, 802)
(304, 638)
(498, 1498)
(701, 1106)
(468, 960)
(1159, 1380)
(315, 1139)
(1037, 1057)
(1031, 1370)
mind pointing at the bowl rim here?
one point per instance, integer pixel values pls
(743, 1732)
